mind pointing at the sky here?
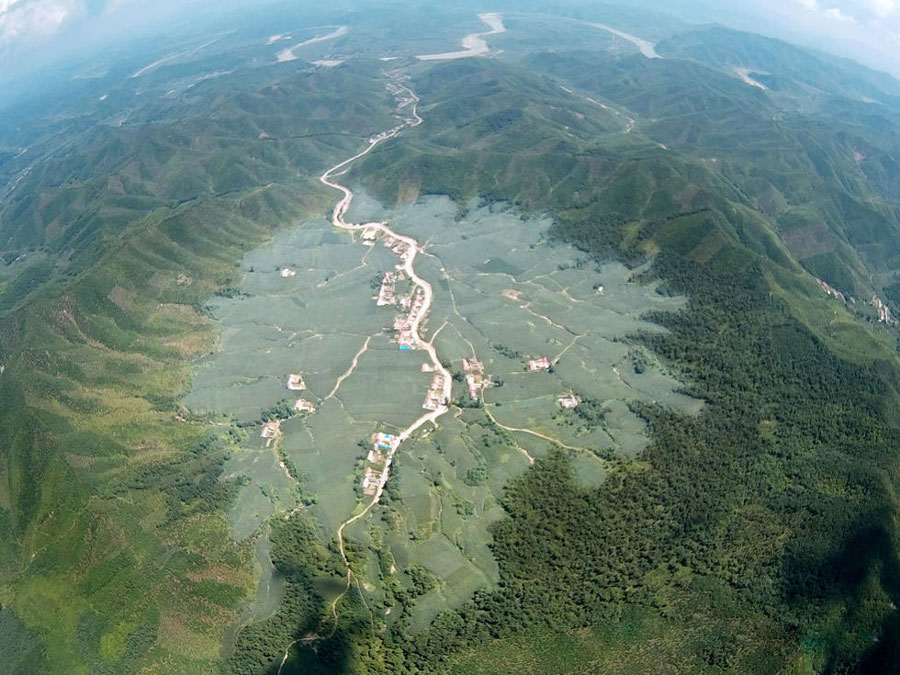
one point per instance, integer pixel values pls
(32, 21)
(868, 30)
(28, 27)
(38, 33)
(865, 30)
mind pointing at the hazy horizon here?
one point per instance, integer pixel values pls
(35, 34)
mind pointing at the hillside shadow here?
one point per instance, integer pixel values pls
(867, 558)
(330, 656)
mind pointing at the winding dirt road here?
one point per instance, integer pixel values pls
(408, 265)
(408, 261)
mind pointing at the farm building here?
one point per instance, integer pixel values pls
(385, 441)
(295, 382)
(568, 401)
(371, 481)
(472, 365)
(475, 382)
(302, 405)
(539, 364)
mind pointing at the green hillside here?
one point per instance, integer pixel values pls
(115, 544)
(765, 561)
(758, 535)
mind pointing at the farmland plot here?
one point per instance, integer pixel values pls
(504, 296)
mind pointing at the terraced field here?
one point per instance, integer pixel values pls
(503, 295)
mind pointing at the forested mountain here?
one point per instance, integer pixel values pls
(756, 180)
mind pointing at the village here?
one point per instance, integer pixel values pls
(404, 99)
(882, 311)
(377, 138)
(405, 334)
(884, 314)
(412, 302)
(535, 365)
(272, 428)
(475, 379)
(401, 288)
(383, 445)
(828, 290)
(435, 396)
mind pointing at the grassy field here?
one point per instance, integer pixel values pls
(504, 294)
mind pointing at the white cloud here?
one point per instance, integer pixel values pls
(838, 15)
(831, 12)
(25, 23)
(863, 30)
(883, 8)
(22, 20)
(852, 8)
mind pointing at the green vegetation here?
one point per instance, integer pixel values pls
(753, 537)
(753, 533)
(297, 555)
(20, 651)
(436, 520)
(116, 551)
